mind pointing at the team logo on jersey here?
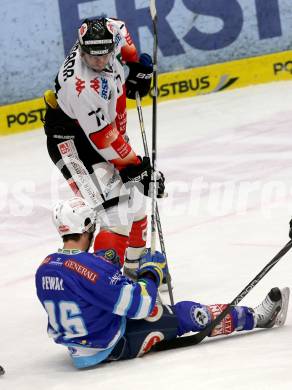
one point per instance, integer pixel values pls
(104, 88)
(95, 85)
(82, 270)
(110, 254)
(101, 87)
(150, 340)
(58, 262)
(79, 85)
(113, 257)
(115, 278)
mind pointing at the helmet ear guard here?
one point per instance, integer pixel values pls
(74, 216)
(95, 37)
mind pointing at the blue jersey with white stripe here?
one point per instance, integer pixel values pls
(87, 298)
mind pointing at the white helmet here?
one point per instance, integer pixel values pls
(74, 216)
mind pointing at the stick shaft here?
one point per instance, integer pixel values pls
(158, 222)
(153, 13)
(155, 218)
(197, 338)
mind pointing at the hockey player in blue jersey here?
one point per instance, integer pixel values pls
(100, 315)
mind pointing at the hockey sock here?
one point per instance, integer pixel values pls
(110, 240)
(239, 318)
(194, 317)
(137, 244)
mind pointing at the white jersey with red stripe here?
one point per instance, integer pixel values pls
(97, 100)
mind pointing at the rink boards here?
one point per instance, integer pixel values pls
(28, 115)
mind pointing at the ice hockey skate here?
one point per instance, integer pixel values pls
(273, 310)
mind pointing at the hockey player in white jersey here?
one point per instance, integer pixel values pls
(88, 108)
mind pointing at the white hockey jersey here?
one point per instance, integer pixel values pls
(97, 100)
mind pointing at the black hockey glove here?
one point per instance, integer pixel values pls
(140, 76)
(141, 177)
(290, 230)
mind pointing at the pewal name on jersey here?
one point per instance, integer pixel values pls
(52, 283)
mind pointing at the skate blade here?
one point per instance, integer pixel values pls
(281, 317)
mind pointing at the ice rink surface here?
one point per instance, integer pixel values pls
(227, 158)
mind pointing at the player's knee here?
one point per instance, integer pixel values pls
(142, 335)
(192, 316)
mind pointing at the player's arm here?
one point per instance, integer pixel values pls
(121, 296)
(127, 46)
(143, 293)
(93, 116)
(140, 68)
(137, 300)
(113, 147)
(134, 170)
(128, 50)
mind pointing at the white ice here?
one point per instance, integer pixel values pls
(227, 158)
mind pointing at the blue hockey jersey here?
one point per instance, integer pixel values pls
(87, 300)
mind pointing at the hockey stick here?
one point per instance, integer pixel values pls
(157, 216)
(181, 342)
(153, 13)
